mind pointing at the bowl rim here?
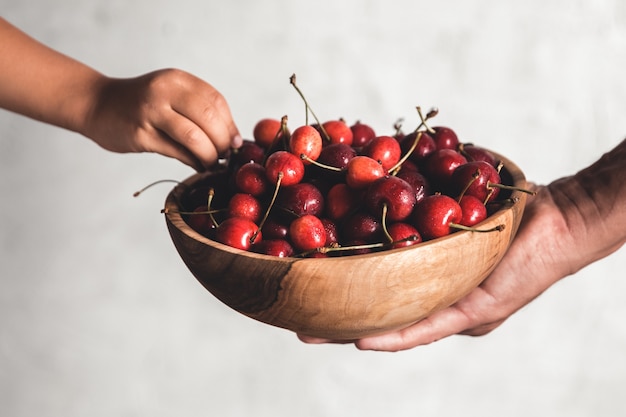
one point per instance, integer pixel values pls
(172, 214)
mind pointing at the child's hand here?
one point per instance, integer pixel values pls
(170, 112)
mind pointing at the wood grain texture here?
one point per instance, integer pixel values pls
(352, 296)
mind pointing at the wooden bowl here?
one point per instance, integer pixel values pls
(349, 297)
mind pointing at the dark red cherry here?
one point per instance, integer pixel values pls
(403, 234)
(393, 192)
(300, 199)
(474, 211)
(445, 138)
(476, 178)
(237, 232)
(362, 134)
(252, 179)
(246, 206)
(265, 131)
(433, 216)
(274, 247)
(290, 165)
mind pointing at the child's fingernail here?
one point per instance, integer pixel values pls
(236, 141)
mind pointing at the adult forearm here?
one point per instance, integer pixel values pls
(593, 205)
(41, 83)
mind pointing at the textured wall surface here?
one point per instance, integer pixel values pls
(98, 314)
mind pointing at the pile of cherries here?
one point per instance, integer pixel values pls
(334, 189)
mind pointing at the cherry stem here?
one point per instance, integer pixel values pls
(208, 206)
(137, 193)
(475, 176)
(267, 212)
(509, 187)
(394, 169)
(431, 113)
(497, 228)
(397, 126)
(307, 108)
(319, 164)
(384, 222)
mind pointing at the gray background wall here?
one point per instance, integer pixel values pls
(98, 315)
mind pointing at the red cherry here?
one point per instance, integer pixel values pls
(289, 164)
(393, 192)
(332, 235)
(265, 131)
(384, 149)
(361, 227)
(273, 247)
(237, 232)
(403, 234)
(341, 200)
(275, 227)
(421, 187)
(252, 179)
(362, 171)
(300, 199)
(433, 216)
(362, 134)
(474, 211)
(249, 151)
(307, 232)
(476, 153)
(476, 178)
(201, 223)
(246, 206)
(306, 140)
(338, 131)
(445, 138)
(440, 165)
(425, 146)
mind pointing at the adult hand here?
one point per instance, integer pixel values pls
(566, 226)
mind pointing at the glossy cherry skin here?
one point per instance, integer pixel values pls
(445, 138)
(237, 232)
(434, 214)
(247, 152)
(338, 132)
(419, 183)
(332, 233)
(476, 153)
(289, 164)
(384, 149)
(476, 178)
(362, 171)
(393, 192)
(474, 211)
(440, 165)
(201, 223)
(336, 155)
(300, 199)
(363, 227)
(276, 226)
(274, 247)
(307, 141)
(265, 131)
(362, 134)
(403, 234)
(246, 206)
(424, 147)
(251, 178)
(307, 233)
(341, 200)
